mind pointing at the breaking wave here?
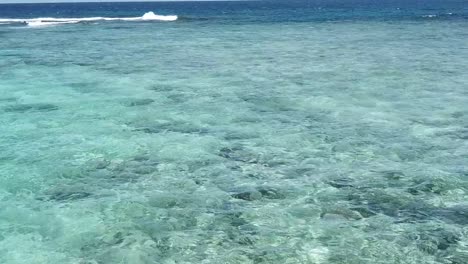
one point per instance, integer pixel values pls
(429, 16)
(444, 15)
(46, 21)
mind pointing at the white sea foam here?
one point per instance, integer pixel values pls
(45, 21)
(43, 24)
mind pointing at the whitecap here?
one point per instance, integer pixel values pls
(44, 24)
(153, 16)
(429, 16)
(45, 21)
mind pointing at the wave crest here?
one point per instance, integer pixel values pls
(45, 21)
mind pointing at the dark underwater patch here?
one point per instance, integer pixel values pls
(98, 164)
(234, 218)
(39, 107)
(162, 87)
(178, 98)
(238, 153)
(433, 241)
(247, 196)
(403, 208)
(364, 211)
(137, 102)
(393, 174)
(262, 192)
(178, 127)
(435, 186)
(342, 183)
(263, 104)
(124, 172)
(237, 135)
(455, 214)
(69, 195)
(271, 193)
(144, 170)
(85, 87)
(8, 99)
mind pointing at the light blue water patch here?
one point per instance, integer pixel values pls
(198, 142)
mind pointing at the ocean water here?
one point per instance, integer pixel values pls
(237, 132)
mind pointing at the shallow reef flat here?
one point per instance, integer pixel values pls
(340, 142)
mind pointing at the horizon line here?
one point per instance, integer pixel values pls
(120, 1)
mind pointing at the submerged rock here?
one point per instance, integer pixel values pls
(69, 195)
(432, 241)
(178, 127)
(432, 186)
(85, 87)
(342, 183)
(424, 188)
(270, 193)
(163, 88)
(330, 217)
(21, 108)
(340, 213)
(248, 195)
(169, 200)
(8, 99)
(144, 169)
(141, 158)
(462, 134)
(150, 130)
(393, 174)
(237, 135)
(228, 152)
(259, 193)
(123, 177)
(268, 104)
(234, 219)
(178, 98)
(238, 154)
(116, 239)
(138, 102)
(458, 257)
(98, 164)
(456, 214)
(364, 212)
(403, 208)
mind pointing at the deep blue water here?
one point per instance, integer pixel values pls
(253, 11)
(321, 132)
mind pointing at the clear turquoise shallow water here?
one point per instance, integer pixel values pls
(245, 140)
